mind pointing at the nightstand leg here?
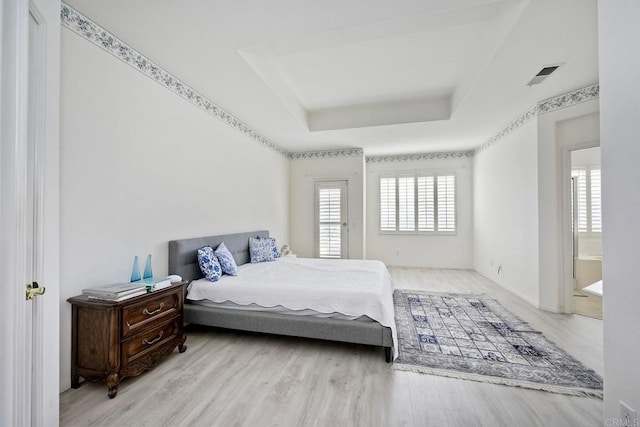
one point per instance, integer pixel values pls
(112, 383)
(181, 347)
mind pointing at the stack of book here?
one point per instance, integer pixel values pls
(116, 291)
(123, 291)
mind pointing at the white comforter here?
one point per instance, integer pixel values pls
(350, 287)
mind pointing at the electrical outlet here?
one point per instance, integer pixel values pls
(628, 416)
(397, 253)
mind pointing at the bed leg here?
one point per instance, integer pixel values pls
(387, 354)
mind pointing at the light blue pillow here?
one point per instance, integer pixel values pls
(227, 263)
(261, 249)
(209, 264)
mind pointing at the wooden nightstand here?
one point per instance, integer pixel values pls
(113, 340)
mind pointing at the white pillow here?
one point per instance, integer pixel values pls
(225, 258)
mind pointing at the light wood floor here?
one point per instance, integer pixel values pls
(240, 379)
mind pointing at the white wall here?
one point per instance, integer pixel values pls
(620, 142)
(419, 250)
(304, 174)
(505, 213)
(141, 166)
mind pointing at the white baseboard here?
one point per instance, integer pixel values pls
(525, 298)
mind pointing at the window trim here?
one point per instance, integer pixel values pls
(415, 174)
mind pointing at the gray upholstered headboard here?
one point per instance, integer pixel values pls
(183, 253)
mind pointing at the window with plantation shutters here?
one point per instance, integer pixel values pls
(331, 230)
(588, 199)
(418, 203)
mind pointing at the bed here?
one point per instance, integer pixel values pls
(375, 328)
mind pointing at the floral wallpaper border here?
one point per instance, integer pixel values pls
(515, 124)
(545, 106)
(85, 27)
(349, 152)
(420, 156)
(568, 99)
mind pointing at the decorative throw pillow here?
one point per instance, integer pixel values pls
(261, 249)
(227, 263)
(274, 247)
(209, 264)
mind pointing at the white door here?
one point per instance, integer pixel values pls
(29, 117)
(332, 231)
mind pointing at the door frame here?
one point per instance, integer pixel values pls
(22, 403)
(566, 280)
(14, 121)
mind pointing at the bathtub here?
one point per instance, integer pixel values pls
(588, 270)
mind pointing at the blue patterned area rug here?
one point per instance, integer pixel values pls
(474, 337)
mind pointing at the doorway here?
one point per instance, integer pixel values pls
(586, 229)
(331, 230)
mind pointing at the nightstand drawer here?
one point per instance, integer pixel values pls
(138, 316)
(148, 342)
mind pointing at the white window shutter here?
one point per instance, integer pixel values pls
(406, 203)
(426, 203)
(581, 177)
(596, 203)
(446, 202)
(329, 217)
(387, 204)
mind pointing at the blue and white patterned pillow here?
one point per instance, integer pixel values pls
(209, 264)
(227, 263)
(274, 247)
(263, 249)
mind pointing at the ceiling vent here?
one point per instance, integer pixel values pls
(543, 74)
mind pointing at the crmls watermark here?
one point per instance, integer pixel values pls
(619, 422)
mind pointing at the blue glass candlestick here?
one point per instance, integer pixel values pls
(135, 273)
(147, 268)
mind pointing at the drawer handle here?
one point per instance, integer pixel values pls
(153, 341)
(149, 313)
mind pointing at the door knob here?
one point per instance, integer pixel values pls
(34, 290)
